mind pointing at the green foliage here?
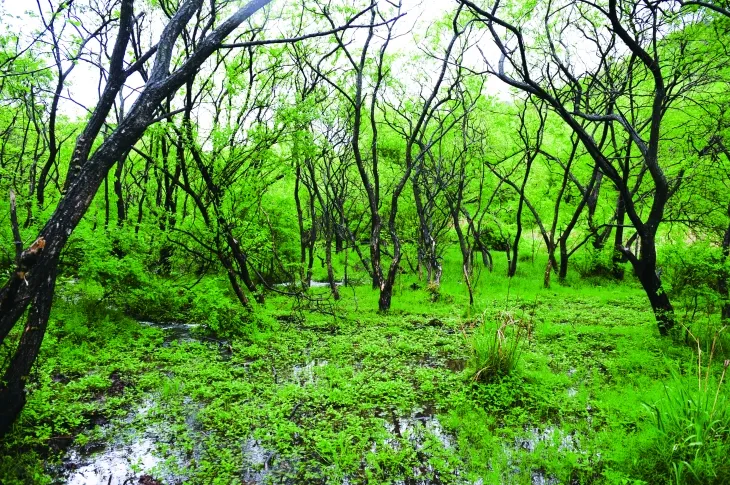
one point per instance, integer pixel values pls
(321, 394)
(597, 264)
(333, 391)
(692, 272)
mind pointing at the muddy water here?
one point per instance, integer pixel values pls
(114, 466)
(127, 455)
(130, 453)
(124, 459)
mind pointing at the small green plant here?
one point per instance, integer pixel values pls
(495, 348)
(693, 422)
(434, 289)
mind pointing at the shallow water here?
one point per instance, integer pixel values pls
(124, 455)
(176, 332)
(121, 460)
(306, 373)
(117, 465)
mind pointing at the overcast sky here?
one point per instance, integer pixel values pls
(82, 85)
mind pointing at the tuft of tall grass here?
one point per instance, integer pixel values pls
(693, 424)
(495, 348)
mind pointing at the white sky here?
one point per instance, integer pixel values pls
(83, 84)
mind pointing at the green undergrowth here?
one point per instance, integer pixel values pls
(349, 395)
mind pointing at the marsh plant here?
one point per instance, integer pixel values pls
(495, 347)
(693, 424)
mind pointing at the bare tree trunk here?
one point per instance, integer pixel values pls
(548, 272)
(330, 270)
(645, 269)
(121, 210)
(304, 234)
(722, 283)
(618, 256)
(12, 392)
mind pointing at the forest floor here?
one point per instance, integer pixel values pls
(340, 394)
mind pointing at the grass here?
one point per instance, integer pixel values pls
(694, 430)
(495, 347)
(355, 396)
(693, 421)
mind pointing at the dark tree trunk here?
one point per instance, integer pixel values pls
(548, 272)
(722, 283)
(121, 210)
(12, 392)
(659, 300)
(330, 270)
(234, 282)
(563, 271)
(427, 243)
(645, 270)
(515, 247)
(587, 199)
(618, 257)
(339, 240)
(53, 145)
(512, 267)
(466, 251)
(106, 202)
(377, 269)
(386, 296)
(304, 234)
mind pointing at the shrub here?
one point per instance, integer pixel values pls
(596, 264)
(434, 290)
(691, 274)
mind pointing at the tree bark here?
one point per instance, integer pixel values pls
(645, 270)
(722, 283)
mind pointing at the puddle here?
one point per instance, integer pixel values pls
(189, 332)
(324, 284)
(540, 478)
(305, 374)
(456, 365)
(118, 465)
(416, 428)
(126, 456)
(177, 332)
(257, 460)
(312, 284)
(529, 442)
(262, 466)
(549, 435)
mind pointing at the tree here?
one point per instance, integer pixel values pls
(35, 287)
(644, 53)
